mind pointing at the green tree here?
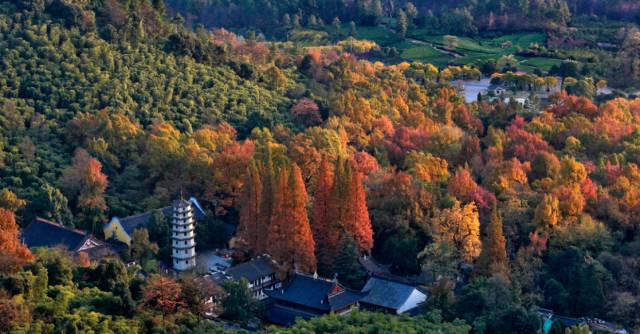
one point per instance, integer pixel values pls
(377, 11)
(142, 249)
(402, 23)
(411, 11)
(58, 264)
(337, 26)
(367, 322)
(577, 330)
(160, 234)
(239, 304)
(349, 271)
(51, 204)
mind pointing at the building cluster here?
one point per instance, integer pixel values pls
(285, 298)
(307, 296)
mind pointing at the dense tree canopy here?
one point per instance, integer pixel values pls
(109, 108)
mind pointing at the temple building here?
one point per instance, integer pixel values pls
(45, 233)
(309, 296)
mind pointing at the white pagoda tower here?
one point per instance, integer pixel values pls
(183, 236)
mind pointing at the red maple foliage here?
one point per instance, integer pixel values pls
(162, 294)
(307, 112)
(522, 144)
(565, 104)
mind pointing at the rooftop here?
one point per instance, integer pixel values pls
(286, 316)
(45, 233)
(316, 293)
(253, 270)
(386, 292)
(129, 224)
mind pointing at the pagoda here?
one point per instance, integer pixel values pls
(183, 236)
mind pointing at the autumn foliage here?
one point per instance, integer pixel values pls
(493, 259)
(14, 253)
(324, 229)
(289, 238)
(346, 210)
(162, 294)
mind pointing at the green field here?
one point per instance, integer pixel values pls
(426, 54)
(380, 35)
(470, 50)
(542, 63)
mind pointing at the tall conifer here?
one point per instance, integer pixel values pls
(251, 226)
(322, 231)
(290, 240)
(361, 224)
(493, 256)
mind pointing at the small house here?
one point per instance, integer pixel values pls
(497, 90)
(260, 273)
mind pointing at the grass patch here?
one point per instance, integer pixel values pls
(379, 35)
(527, 64)
(426, 54)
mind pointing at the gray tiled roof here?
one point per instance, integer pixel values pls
(44, 233)
(286, 316)
(386, 293)
(316, 293)
(129, 224)
(252, 270)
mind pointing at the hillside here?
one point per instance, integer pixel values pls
(320, 149)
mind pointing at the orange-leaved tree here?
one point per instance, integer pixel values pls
(14, 254)
(493, 256)
(162, 294)
(326, 233)
(250, 229)
(348, 206)
(290, 240)
(85, 181)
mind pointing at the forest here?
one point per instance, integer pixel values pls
(319, 155)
